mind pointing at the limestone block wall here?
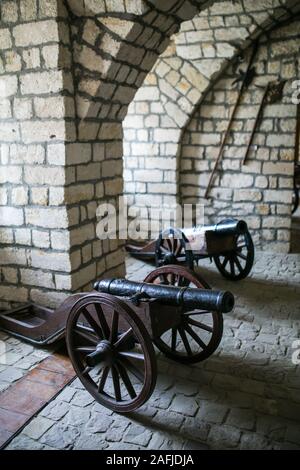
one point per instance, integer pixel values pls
(68, 70)
(112, 54)
(261, 190)
(36, 119)
(177, 84)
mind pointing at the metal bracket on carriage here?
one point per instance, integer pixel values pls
(138, 297)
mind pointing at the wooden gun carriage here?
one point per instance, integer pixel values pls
(110, 332)
(228, 243)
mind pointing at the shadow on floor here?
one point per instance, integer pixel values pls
(266, 399)
(215, 279)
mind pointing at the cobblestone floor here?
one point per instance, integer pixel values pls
(245, 396)
(17, 358)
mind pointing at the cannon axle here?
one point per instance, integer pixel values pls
(103, 354)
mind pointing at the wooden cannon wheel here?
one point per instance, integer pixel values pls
(200, 332)
(295, 199)
(111, 352)
(171, 248)
(237, 264)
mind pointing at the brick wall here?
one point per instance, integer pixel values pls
(177, 84)
(68, 70)
(261, 190)
(36, 111)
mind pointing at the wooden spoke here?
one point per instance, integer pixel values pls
(201, 325)
(132, 355)
(232, 267)
(241, 255)
(164, 250)
(116, 382)
(97, 329)
(185, 340)
(225, 261)
(103, 379)
(114, 327)
(123, 338)
(85, 349)
(243, 245)
(126, 380)
(238, 264)
(132, 368)
(195, 336)
(172, 239)
(182, 282)
(86, 370)
(169, 244)
(174, 339)
(179, 249)
(84, 334)
(165, 279)
(102, 320)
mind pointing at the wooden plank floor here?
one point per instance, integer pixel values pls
(23, 399)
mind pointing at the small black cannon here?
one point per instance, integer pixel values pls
(184, 297)
(228, 243)
(110, 332)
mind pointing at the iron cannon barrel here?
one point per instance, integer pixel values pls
(205, 299)
(229, 227)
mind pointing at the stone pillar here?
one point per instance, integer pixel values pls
(36, 122)
(66, 79)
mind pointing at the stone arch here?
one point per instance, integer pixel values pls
(181, 77)
(68, 158)
(260, 190)
(113, 49)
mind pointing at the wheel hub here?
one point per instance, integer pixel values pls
(170, 258)
(103, 354)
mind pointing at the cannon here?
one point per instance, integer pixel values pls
(228, 243)
(110, 332)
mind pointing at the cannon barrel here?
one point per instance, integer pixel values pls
(228, 227)
(205, 299)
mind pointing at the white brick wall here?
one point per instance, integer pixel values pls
(56, 169)
(261, 190)
(167, 104)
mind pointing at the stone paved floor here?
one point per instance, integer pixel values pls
(17, 358)
(245, 396)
